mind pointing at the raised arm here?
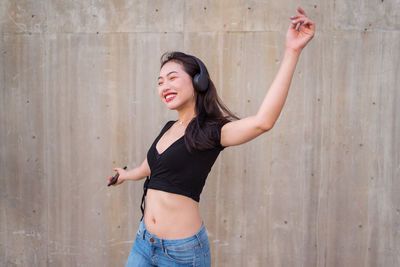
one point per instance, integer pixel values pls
(134, 174)
(246, 129)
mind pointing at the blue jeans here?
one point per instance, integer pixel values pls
(149, 250)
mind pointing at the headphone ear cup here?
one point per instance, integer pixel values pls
(200, 80)
(200, 83)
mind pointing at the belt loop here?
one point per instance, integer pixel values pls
(144, 234)
(162, 245)
(198, 238)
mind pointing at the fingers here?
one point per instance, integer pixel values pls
(119, 170)
(292, 25)
(301, 15)
(311, 24)
(308, 23)
(305, 21)
(302, 19)
(119, 179)
(297, 18)
(301, 11)
(111, 177)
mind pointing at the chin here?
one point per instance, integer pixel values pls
(171, 106)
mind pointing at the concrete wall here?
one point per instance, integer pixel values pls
(78, 97)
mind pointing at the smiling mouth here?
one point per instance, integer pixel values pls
(170, 97)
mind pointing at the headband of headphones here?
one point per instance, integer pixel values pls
(200, 80)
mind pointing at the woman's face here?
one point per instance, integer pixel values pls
(175, 86)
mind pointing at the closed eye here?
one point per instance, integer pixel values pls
(159, 77)
(172, 78)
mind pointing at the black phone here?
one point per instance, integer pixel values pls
(115, 178)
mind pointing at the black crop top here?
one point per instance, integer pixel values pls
(176, 170)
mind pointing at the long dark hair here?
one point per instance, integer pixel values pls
(202, 132)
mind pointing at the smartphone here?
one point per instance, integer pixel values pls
(115, 178)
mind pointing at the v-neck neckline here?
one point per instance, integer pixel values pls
(155, 146)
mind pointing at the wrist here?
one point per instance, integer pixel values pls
(127, 175)
(293, 51)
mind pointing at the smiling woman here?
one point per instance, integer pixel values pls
(179, 90)
(171, 232)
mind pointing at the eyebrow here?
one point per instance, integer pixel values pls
(167, 74)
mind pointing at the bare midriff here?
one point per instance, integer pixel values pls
(171, 216)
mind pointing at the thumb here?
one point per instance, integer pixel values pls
(293, 24)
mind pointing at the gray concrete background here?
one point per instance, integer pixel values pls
(78, 97)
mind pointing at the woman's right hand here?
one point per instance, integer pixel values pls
(121, 178)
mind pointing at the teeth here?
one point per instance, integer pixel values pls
(170, 96)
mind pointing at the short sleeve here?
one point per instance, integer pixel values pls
(221, 147)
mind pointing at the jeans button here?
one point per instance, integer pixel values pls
(151, 239)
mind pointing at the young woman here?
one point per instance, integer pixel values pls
(171, 232)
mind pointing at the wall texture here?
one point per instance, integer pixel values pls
(78, 97)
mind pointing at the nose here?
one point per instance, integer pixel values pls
(164, 88)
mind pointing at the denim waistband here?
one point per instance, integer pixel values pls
(200, 238)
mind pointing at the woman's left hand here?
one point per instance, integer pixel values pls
(297, 39)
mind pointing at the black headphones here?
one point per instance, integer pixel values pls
(200, 80)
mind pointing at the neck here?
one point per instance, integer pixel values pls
(185, 116)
